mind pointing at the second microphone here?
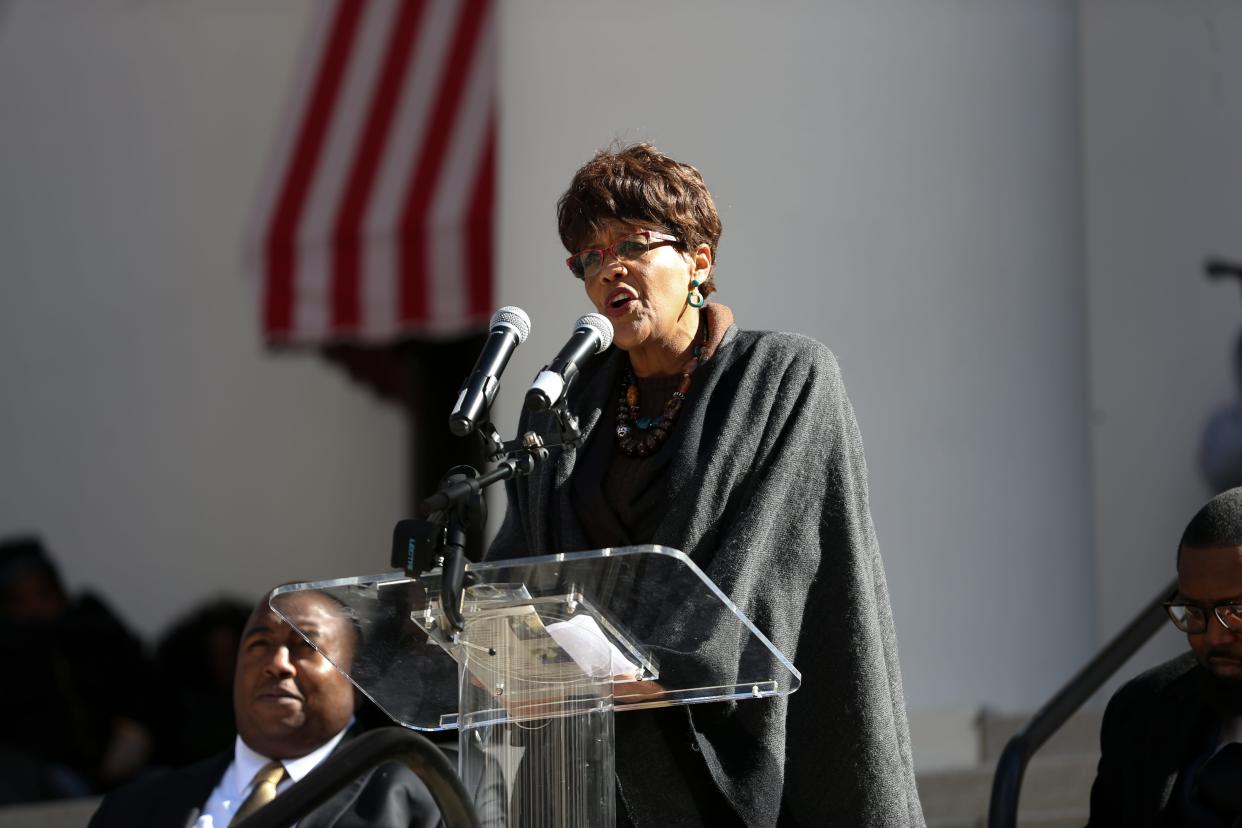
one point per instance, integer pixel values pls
(592, 335)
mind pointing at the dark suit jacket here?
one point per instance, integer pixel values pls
(1153, 727)
(389, 795)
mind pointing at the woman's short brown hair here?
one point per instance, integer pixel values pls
(642, 186)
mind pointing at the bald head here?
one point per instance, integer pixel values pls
(1217, 524)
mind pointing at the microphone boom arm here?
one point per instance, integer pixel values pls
(459, 503)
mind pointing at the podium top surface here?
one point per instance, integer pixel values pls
(624, 628)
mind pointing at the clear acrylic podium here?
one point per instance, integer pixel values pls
(552, 647)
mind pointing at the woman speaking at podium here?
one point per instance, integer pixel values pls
(739, 448)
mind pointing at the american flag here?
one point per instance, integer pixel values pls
(375, 220)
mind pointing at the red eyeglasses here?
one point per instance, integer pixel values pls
(587, 263)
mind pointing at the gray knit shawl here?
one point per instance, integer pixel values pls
(768, 495)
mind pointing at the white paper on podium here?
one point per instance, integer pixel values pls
(590, 649)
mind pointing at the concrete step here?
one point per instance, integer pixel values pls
(1048, 820)
(68, 813)
(1080, 735)
(1056, 790)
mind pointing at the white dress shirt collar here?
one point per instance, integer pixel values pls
(247, 762)
(238, 779)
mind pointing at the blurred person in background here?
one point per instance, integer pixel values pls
(1220, 448)
(76, 697)
(194, 667)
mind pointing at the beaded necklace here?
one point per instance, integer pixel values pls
(641, 436)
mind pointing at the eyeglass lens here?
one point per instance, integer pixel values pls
(1192, 619)
(588, 262)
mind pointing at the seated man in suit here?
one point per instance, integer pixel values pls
(1170, 742)
(292, 708)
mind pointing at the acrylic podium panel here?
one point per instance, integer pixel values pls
(552, 647)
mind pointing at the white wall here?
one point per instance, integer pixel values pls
(143, 429)
(899, 179)
(1162, 139)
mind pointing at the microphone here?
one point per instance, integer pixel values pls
(510, 327)
(592, 335)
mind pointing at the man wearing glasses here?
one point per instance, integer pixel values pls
(1171, 742)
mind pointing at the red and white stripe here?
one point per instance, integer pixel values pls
(376, 221)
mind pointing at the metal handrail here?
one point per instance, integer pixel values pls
(415, 751)
(1007, 784)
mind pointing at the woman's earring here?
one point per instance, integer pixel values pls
(695, 299)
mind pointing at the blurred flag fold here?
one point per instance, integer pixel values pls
(374, 220)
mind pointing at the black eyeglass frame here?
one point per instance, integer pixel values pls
(1234, 603)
